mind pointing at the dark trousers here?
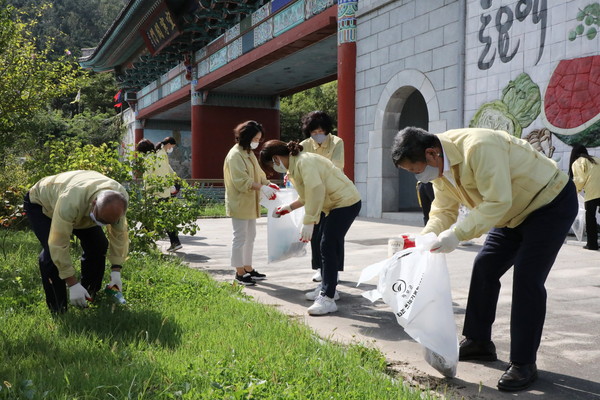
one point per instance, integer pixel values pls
(94, 245)
(334, 228)
(531, 248)
(173, 235)
(591, 226)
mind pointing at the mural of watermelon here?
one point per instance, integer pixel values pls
(571, 105)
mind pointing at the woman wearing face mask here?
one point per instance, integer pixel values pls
(245, 181)
(323, 190)
(317, 127)
(162, 168)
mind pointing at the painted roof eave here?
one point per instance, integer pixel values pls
(122, 41)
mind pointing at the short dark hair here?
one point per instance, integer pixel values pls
(315, 120)
(145, 146)
(245, 132)
(410, 144)
(167, 140)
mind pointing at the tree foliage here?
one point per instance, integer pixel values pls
(70, 24)
(29, 79)
(294, 107)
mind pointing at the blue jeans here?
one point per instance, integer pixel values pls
(334, 228)
(94, 245)
(531, 248)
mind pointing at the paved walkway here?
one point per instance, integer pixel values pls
(569, 357)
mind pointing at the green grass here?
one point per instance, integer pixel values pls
(212, 210)
(182, 335)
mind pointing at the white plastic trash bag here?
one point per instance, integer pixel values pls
(579, 224)
(283, 234)
(415, 283)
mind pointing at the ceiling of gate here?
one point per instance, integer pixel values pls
(312, 66)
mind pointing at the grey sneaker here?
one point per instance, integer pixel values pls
(313, 294)
(322, 305)
(175, 247)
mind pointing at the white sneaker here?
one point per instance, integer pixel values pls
(317, 276)
(313, 294)
(322, 305)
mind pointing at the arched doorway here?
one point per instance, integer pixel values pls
(383, 193)
(414, 113)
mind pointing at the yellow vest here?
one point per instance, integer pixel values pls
(500, 178)
(240, 170)
(321, 186)
(67, 199)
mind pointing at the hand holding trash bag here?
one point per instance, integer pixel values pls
(282, 210)
(269, 192)
(306, 232)
(78, 296)
(446, 242)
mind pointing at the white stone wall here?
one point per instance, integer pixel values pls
(436, 47)
(482, 86)
(402, 46)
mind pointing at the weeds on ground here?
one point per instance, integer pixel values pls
(181, 336)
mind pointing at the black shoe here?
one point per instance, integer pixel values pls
(257, 276)
(518, 377)
(245, 280)
(590, 247)
(479, 350)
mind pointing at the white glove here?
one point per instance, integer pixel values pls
(78, 295)
(115, 280)
(282, 210)
(445, 243)
(269, 192)
(306, 232)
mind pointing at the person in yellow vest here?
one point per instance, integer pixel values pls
(524, 202)
(585, 172)
(317, 128)
(157, 165)
(245, 181)
(322, 189)
(79, 203)
(163, 168)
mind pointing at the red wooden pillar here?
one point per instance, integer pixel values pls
(197, 144)
(347, 79)
(212, 134)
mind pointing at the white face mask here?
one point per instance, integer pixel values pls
(93, 217)
(279, 167)
(253, 145)
(169, 151)
(429, 173)
(319, 137)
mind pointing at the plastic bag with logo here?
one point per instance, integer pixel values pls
(415, 283)
(283, 234)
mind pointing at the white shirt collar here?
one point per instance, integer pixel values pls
(446, 171)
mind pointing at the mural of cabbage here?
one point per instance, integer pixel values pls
(496, 115)
(572, 102)
(523, 99)
(519, 107)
